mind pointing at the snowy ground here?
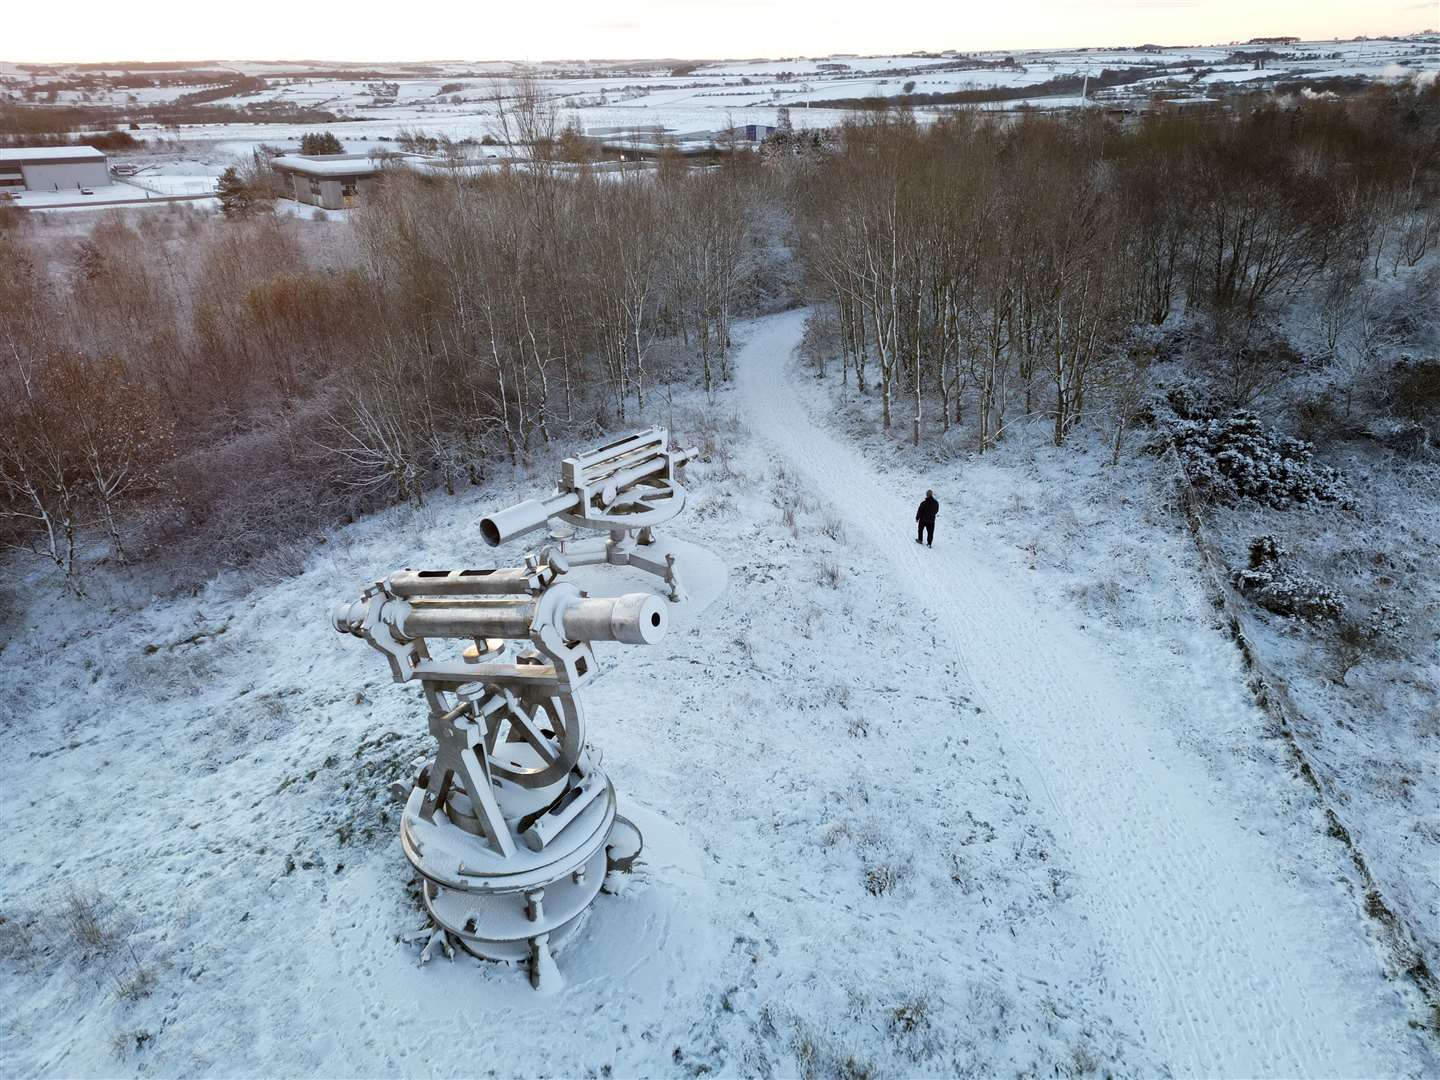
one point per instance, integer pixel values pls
(908, 810)
(115, 194)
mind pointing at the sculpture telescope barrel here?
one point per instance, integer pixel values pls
(503, 582)
(625, 478)
(632, 619)
(525, 517)
(473, 619)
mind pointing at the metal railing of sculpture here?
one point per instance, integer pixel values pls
(512, 825)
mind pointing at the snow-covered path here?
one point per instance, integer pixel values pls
(1225, 963)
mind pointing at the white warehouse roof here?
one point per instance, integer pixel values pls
(34, 155)
(328, 164)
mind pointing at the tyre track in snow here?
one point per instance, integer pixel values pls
(1224, 964)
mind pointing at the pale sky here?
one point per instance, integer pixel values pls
(375, 30)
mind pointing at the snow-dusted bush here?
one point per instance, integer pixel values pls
(1286, 591)
(124, 1043)
(81, 916)
(220, 524)
(1236, 457)
(1397, 433)
(1246, 372)
(20, 937)
(1187, 401)
(880, 879)
(911, 1028)
(1264, 551)
(1415, 388)
(138, 984)
(1319, 417)
(1280, 588)
(1377, 635)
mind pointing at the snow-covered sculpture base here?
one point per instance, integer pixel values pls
(522, 906)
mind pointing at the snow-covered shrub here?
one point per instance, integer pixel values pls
(1235, 457)
(1243, 373)
(1282, 589)
(1377, 635)
(1379, 631)
(1291, 593)
(283, 562)
(85, 923)
(1415, 388)
(124, 1043)
(1187, 401)
(1318, 418)
(1385, 624)
(1398, 433)
(821, 340)
(910, 1028)
(138, 984)
(880, 879)
(910, 1016)
(218, 524)
(1265, 550)
(19, 937)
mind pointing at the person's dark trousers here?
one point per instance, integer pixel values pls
(925, 529)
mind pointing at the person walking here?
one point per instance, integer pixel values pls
(925, 519)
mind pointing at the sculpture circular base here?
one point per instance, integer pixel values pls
(514, 906)
(498, 926)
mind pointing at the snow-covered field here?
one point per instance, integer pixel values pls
(999, 806)
(451, 99)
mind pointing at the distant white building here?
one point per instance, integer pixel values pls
(334, 181)
(52, 168)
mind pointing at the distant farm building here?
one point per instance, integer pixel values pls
(756, 132)
(1191, 105)
(52, 168)
(641, 148)
(334, 181)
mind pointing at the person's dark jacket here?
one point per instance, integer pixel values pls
(928, 509)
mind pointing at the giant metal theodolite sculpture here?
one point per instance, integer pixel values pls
(512, 825)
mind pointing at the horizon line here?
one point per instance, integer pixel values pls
(680, 58)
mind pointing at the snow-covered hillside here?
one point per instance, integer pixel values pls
(908, 810)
